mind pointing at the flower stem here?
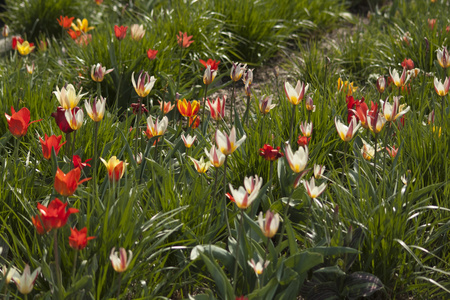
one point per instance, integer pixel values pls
(232, 104)
(120, 76)
(179, 70)
(99, 90)
(442, 114)
(58, 270)
(225, 194)
(118, 286)
(138, 119)
(204, 103)
(94, 171)
(292, 123)
(375, 158)
(285, 217)
(68, 144)
(247, 110)
(270, 178)
(73, 145)
(239, 233)
(74, 265)
(155, 155)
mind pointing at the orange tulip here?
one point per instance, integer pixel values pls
(66, 184)
(51, 142)
(19, 121)
(65, 22)
(188, 109)
(116, 168)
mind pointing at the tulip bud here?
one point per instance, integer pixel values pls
(381, 84)
(310, 104)
(5, 31)
(137, 32)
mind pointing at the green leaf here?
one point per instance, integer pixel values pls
(84, 283)
(361, 284)
(220, 278)
(303, 261)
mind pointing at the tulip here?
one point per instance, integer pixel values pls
(443, 57)
(269, 225)
(298, 160)
(9, 273)
(194, 122)
(82, 26)
(78, 163)
(258, 268)
(408, 64)
(43, 45)
(119, 260)
(252, 183)
(265, 106)
(248, 77)
(120, 32)
(68, 97)
(25, 283)
(361, 112)
(399, 81)
(441, 89)
(217, 108)
(393, 111)
(303, 141)
(381, 84)
(184, 40)
(216, 157)
(346, 86)
(60, 119)
(157, 128)
(165, 106)
(66, 184)
(214, 65)
(237, 70)
(15, 40)
(376, 122)
(188, 140)
(269, 153)
(248, 91)
(38, 224)
(18, 122)
(228, 144)
(65, 22)
(78, 239)
(368, 152)
(137, 32)
(144, 85)
(138, 108)
(200, 165)
(25, 48)
(242, 198)
(306, 129)
(30, 69)
(115, 167)
(74, 118)
(352, 104)
(138, 158)
(347, 133)
(209, 75)
(98, 72)
(313, 190)
(50, 142)
(310, 104)
(55, 216)
(392, 151)
(151, 54)
(5, 31)
(431, 117)
(96, 110)
(188, 109)
(318, 171)
(295, 96)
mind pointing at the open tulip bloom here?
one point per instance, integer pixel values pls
(200, 165)
(137, 32)
(228, 144)
(441, 88)
(242, 198)
(265, 106)
(156, 128)
(217, 108)
(188, 140)
(18, 122)
(115, 167)
(216, 157)
(443, 57)
(237, 70)
(74, 118)
(296, 95)
(119, 260)
(98, 72)
(54, 216)
(306, 128)
(298, 160)
(347, 133)
(376, 122)
(144, 85)
(269, 224)
(258, 267)
(253, 183)
(68, 97)
(50, 142)
(313, 190)
(66, 184)
(96, 111)
(25, 282)
(393, 111)
(398, 80)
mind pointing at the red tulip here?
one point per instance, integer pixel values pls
(15, 40)
(151, 54)
(51, 142)
(54, 215)
(19, 121)
(65, 22)
(60, 119)
(303, 141)
(38, 223)
(78, 163)
(184, 40)
(210, 62)
(78, 239)
(120, 32)
(66, 184)
(270, 153)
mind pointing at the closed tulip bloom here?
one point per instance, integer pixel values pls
(115, 167)
(188, 140)
(313, 190)
(68, 97)
(96, 110)
(393, 111)
(9, 273)
(269, 153)
(298, 160)
(50, 142)
(217, 108)
(25, 282)
(188, 108)
(165, 106)
(5, 31)
(295, 96)
(443, 57)
(237, 70)
(98, 72)
(381, 84)
(151, 53)
(258, 268)
(310, 104)
(18, 122)
(30, 69)
(306, 129)
(441, 88)
(137, 32)
(367, 151)
(248, 77)
(25, 48)
(200, 165)
(209, 75)
(156, 128)
(347, 133)
(74, 118)
(216, 157)
(228, 144)
(119, 260)
(78, 239)
(66, 184)
(120, 32)
(398, 80)
(376, 122)
(253, 183)
(269, 224)
(318, 171)
(54, 216)
(144, 85)
(265, 106)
